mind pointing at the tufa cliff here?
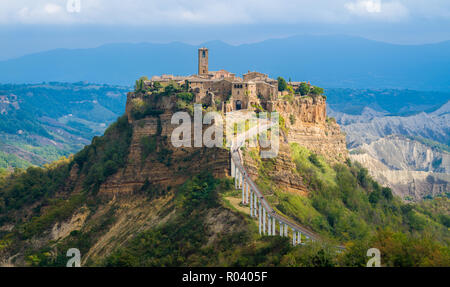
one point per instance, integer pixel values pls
(308, 125)
(153, 160)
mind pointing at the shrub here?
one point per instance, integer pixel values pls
(186, 96)
(315, 160)
(292, 119)
(148, 145)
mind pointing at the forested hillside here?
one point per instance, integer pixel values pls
(42, 122)
(45, 211)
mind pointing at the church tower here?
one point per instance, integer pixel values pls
(203, 61)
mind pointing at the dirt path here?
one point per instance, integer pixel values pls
(235, 202)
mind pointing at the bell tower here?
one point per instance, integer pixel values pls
(203, 61)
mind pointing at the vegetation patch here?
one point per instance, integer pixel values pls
(345, 205)
(106, 154)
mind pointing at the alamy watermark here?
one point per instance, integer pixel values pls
(73, 6)
(75, 260)
(239, 129)
(375, 261)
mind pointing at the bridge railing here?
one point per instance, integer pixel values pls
(259, 207)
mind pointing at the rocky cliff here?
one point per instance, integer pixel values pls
(413, 170)
(305, 121)
(308, 125)
(407, 153)
(164, 165)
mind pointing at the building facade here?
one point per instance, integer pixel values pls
(224, 89)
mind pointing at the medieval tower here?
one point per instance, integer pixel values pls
(203, 61)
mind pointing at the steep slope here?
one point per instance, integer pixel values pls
(413, 170)
(130, 199)
(408, 153)
(401, 153)
(370, 126)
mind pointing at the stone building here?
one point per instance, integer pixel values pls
(203, 61)
(224, 89)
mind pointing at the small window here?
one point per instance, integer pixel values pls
(203, 53)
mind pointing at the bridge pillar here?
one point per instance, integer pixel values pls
(281, 228)
(235, 179)
(240, 179)
(260, 218)
(273, 226)
(243, 192)
(233, 171)
(255, 199)
(299, 238)
(269, 230)
(264, 220)
(285, 230)
(248, 193)
(251, 204)
(294, 241)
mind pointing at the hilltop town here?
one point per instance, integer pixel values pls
(226, 91)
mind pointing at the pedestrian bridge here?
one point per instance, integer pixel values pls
(269, 221)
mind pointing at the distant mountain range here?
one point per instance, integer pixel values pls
(328, 61)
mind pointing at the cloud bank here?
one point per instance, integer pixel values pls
(217, 12)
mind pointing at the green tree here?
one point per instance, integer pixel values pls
(316, 91)
(140, 85)
(186, 85)
(303, 89)
(157, 86)
(282, 85)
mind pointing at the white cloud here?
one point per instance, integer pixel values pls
(214, 12)
(378, 10)
(362, 7)
(52, 8)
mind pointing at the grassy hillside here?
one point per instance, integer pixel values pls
(346, 205)
(40, 123)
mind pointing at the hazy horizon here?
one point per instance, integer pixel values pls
(41, 25)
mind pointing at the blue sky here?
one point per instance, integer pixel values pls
(28, 26)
